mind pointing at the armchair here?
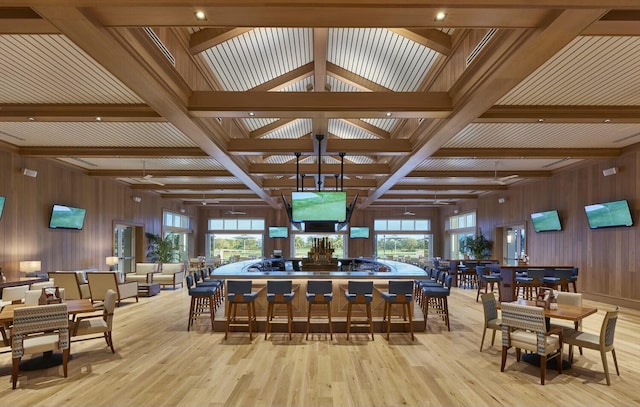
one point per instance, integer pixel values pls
(170, 274)
(97, 323)
(142, 273)
(73, 283)
(38, 329)
(101, 282)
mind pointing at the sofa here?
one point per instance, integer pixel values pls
(100, 282)
(142, 273)
(170, 274)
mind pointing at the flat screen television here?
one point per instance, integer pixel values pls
(320, 227)
(67, 217)
(1, 205)
(609, 214)
(319, 206)
(546, 221)
(359, 232)
(278, 232)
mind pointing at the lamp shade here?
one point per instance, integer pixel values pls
(112, 261)
(30, 266)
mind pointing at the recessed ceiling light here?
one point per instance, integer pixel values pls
(200, 16)
(388, 114)
(440, 16)
(540, 120)
(607, 120)
(251, 114)
(32, 119)
(98, 119)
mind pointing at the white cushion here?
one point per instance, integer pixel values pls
(41, 343)
(528, 340)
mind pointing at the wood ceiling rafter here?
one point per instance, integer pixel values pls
(216, 196)
(528, 152)
(195, 187)
(353, 79)
(290, 169)
(428, 196)
(561, 114)
(449, 187)
(351, 183)
(270, 128)
(369, 128)
(285, 79)
(477, 174)
(519, 53)
(116, 152)
(429, 37)
(307, 146)
(78, 112)
(207, 38)
(160, 173)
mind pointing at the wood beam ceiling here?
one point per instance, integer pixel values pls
(477, 174)
(290, 169)
(306, 146)
(528, 152)
(115, 152)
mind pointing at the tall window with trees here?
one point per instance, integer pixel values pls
(458, 228)
(177, 226)
(407, 240)
(235, 239)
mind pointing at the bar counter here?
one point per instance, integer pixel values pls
(244, 270)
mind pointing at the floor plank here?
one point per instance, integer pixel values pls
(158, 363)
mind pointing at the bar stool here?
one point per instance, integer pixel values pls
(239, 292)
(279, 292)
(319, 292)
(486, 280)
(530, 283)
(437, 297)
(202, 302)
(399, 294)
(359, 292)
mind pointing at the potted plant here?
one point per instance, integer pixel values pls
(161, 250)
(479, 247)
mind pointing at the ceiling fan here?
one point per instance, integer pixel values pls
(407, 212)
(234, 212)
(146, 178)
(501, 180)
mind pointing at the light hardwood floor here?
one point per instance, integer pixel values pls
(158, 363)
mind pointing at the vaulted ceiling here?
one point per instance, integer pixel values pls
(261, 98)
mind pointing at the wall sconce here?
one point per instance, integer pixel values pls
(112, 261)
(30, 268)
(137, 199)
(501, 200)
(30, 173)
(610, 171)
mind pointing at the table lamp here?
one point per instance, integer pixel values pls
(30, 268)
(112, 261)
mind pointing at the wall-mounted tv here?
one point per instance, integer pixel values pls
(546, 221)
(278, 232)
(67, 217)
(609, 214)
(1, 205)
(319, 206)
(359, 232)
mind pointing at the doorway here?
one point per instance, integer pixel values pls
(128, 246)
(513, 244)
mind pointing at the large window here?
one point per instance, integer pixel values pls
(235, 239)
(458, 228)
(177, 226)
(404, 240)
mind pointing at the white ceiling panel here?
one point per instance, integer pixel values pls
(384, 124)
(381, 56)
(51, 69)
(259, 55)
(546, 135)
(293, 130)
(255, 124)
(347, 130)
(97, 134)
(582, 74)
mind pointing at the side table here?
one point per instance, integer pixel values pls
(148, 289)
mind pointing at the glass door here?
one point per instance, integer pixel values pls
(124, 248)
(513, 244)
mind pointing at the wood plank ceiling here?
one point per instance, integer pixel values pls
(414, 111)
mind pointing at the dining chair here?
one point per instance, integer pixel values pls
(602, 342)
(39, 329)
(102, 323)
(525, 327)
(491, 320)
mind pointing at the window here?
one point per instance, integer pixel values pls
(403, 239)
(177, 226)
(240, 239)
(458, 228)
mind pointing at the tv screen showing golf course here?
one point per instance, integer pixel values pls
(359, 232)
(608, 214)
(546, 221)
(67, 217)
(319, 206)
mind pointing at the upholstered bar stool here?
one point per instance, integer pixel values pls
(319, 292)
(485, 280)
(436, 297)
(279, 292)
(239, 293)
(202, 302)
(359, 293)
(399, 294)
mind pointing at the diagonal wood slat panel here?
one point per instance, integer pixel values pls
(52, 69)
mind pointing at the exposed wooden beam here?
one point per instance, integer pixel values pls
(430, 197)
(429, 37)
(286, 79)
(290, 169)
(23, 20)
(348, 183)
(159, 173)
(215, 196)
(449, 187)
(528, 152)
(194, 187)
(320, 104)
(210, 37)
(616, 22)
(477, 174)
(306, 146)
(560, 114)
(270, 128)
(68, 112)
(361, 124)
(353, 79)
(114, 152)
